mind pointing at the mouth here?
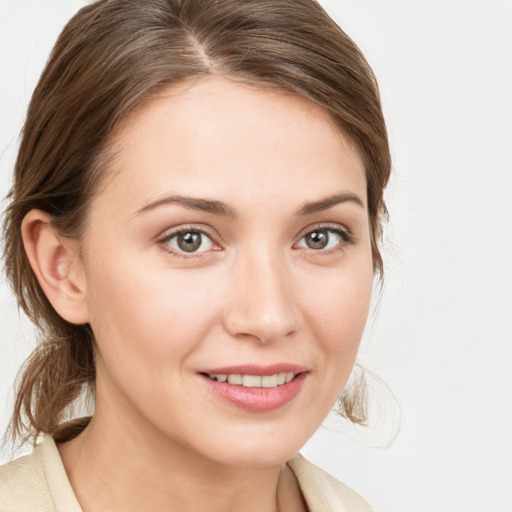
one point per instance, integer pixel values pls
(255, 388)
(253, 381)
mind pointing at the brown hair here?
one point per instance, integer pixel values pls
(113, 56)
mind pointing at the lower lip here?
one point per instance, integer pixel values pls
(257, 399)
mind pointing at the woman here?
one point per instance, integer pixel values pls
(194, 228)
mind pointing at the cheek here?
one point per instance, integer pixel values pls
(156, 314)
(337, 312)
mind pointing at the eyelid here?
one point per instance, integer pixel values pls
(329, 226)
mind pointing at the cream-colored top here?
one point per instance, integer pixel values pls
(38, 483)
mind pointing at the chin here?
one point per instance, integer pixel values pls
(258, 449)
(247, 458)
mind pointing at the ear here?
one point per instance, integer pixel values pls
(57, 266)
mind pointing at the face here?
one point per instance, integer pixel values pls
(228, 270)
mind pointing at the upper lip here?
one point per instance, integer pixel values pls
(255, 369)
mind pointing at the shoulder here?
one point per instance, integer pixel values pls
(23, 485)
(323, 492)
(37, 482)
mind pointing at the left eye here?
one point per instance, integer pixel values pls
(320, 239)
(190, 241)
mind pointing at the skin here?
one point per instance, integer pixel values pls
(258, 293)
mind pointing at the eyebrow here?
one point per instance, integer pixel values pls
(193, 203)
(328, 202)
(224, 210)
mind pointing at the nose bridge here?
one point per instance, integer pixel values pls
(262, 300)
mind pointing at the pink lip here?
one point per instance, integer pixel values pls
(254, 369)
(257, 399)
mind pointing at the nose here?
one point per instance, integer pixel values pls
(262, 304)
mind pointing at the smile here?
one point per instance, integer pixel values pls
(254, 381)
(256, 388)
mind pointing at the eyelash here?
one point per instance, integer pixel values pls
(164, 241)
(346, 238)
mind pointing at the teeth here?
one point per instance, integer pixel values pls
(251, 381)
(235, 379)
(254, 381)
(269, 381)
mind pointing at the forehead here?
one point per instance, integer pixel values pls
(221, 137)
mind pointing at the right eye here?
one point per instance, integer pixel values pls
(189, 241)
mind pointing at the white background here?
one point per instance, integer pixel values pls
(442, 338)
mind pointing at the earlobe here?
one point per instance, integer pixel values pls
(56, 264)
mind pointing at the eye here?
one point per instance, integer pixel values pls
(189, 241)
(324, 239)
